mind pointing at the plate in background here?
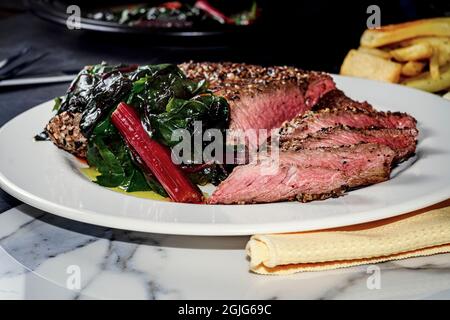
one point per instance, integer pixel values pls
(55, 11)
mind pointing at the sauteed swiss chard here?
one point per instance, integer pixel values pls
(175, 14)
(111, 98)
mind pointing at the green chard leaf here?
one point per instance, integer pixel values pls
(110, 155)
(112, 173)
(137, 182)
(166, 101)
(57, 105)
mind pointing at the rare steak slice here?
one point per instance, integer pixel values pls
(302, 126)
(262, 97)
(402, 141)
(305, 175)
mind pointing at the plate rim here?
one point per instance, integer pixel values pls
(119, 222)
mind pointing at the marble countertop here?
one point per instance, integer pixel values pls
(45, 256)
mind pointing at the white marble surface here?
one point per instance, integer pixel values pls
(41, 256)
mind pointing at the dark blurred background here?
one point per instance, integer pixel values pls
(311, 34)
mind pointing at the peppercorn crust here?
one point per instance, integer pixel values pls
(64, 130)
(234, 80)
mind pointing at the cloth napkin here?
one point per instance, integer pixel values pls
(420, 233)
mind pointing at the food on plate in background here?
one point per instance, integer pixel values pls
(416, 54)
(175, 14)
(367, 65)
(375, 38)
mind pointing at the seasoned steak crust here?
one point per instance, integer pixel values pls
(336, 99)
(305, 197)
(64, 130)
(234, 80)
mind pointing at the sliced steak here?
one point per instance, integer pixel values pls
(336, 99)
(262, 97)
(273, 105)
(302, 126)
(402, 141)
(306, 175)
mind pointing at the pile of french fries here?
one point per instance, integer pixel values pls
(416, 54)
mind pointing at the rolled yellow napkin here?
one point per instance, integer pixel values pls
(420, 233)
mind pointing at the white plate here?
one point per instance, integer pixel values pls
(47, 178)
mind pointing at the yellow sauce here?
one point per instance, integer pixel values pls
(92, 173)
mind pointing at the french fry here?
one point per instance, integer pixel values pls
(406, 50)
(414, 52)
(440, 44)
(434, 65)
(425, 82)
(364, 65)
(444, 58)
(376, 52)
(374, 38)
(412, 68)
